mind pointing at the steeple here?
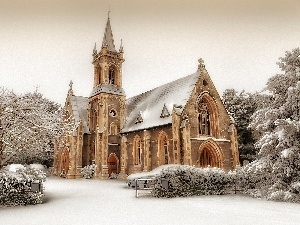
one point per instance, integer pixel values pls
(108, 40)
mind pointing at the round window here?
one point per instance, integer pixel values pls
(112, 113)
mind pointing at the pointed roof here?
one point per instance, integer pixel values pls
(108, 40)
(152, 104)
(79, 111)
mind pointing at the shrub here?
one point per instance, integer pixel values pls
(188, 181)
(88, 171)
(16, 187)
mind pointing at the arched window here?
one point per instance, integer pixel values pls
(137, 150)
(113, 129)
(99, 75)
(203, 118)
(163, 149)
(166, 151)
(111, 76)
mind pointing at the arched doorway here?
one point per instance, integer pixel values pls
(113, 164)
(210, 154)
(207, 158)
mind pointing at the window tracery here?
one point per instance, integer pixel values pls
(203, 118)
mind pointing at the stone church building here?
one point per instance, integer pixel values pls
(181, 122)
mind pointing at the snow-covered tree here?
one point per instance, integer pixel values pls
(29, 125)
(241, 107)
(278, 124)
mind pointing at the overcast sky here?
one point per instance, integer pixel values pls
(46, 43)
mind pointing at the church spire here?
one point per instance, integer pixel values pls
(108, 40)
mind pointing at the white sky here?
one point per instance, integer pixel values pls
(47, 43)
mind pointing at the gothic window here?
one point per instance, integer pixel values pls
(113, 129)
(111, 76)
(166, 152)
(163, 148)
(137, 151)
(203, 119)
(207, 159)
(99, 75)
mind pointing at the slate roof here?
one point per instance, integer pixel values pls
(149, 105)
(79, 108)
(144, 110)
(107, 88)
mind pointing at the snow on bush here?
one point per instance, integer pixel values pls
(88, 171)
(189, 181)
(14, 167)
(15, 187)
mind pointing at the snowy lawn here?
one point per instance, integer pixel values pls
(84, 201)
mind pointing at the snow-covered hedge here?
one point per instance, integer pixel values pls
(88, 171)
(258, 180)
(188, 181)
(15, 187)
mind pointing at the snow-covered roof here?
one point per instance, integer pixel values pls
(152, 104)
(107, 88)
(79, 109)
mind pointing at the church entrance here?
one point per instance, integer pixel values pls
(207, 158)
(112, 163)
(210, 155)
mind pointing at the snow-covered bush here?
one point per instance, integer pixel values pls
(15, 187)
(188, 181)
(88, 171)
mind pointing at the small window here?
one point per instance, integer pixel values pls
(137, 151)
(111, 76)
(113, 129)
(166, 152)
(204, 82)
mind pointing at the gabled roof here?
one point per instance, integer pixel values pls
(79, 109)
(151, 103)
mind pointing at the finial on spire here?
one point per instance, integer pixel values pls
(121, 50)
(201, 63)
(108, 11)
(70, 92)
(95, 49)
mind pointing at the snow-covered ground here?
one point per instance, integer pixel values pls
(92, 201)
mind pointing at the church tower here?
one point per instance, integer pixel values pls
(106, 112)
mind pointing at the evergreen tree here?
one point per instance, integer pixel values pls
(241, 106)
(278, 126)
